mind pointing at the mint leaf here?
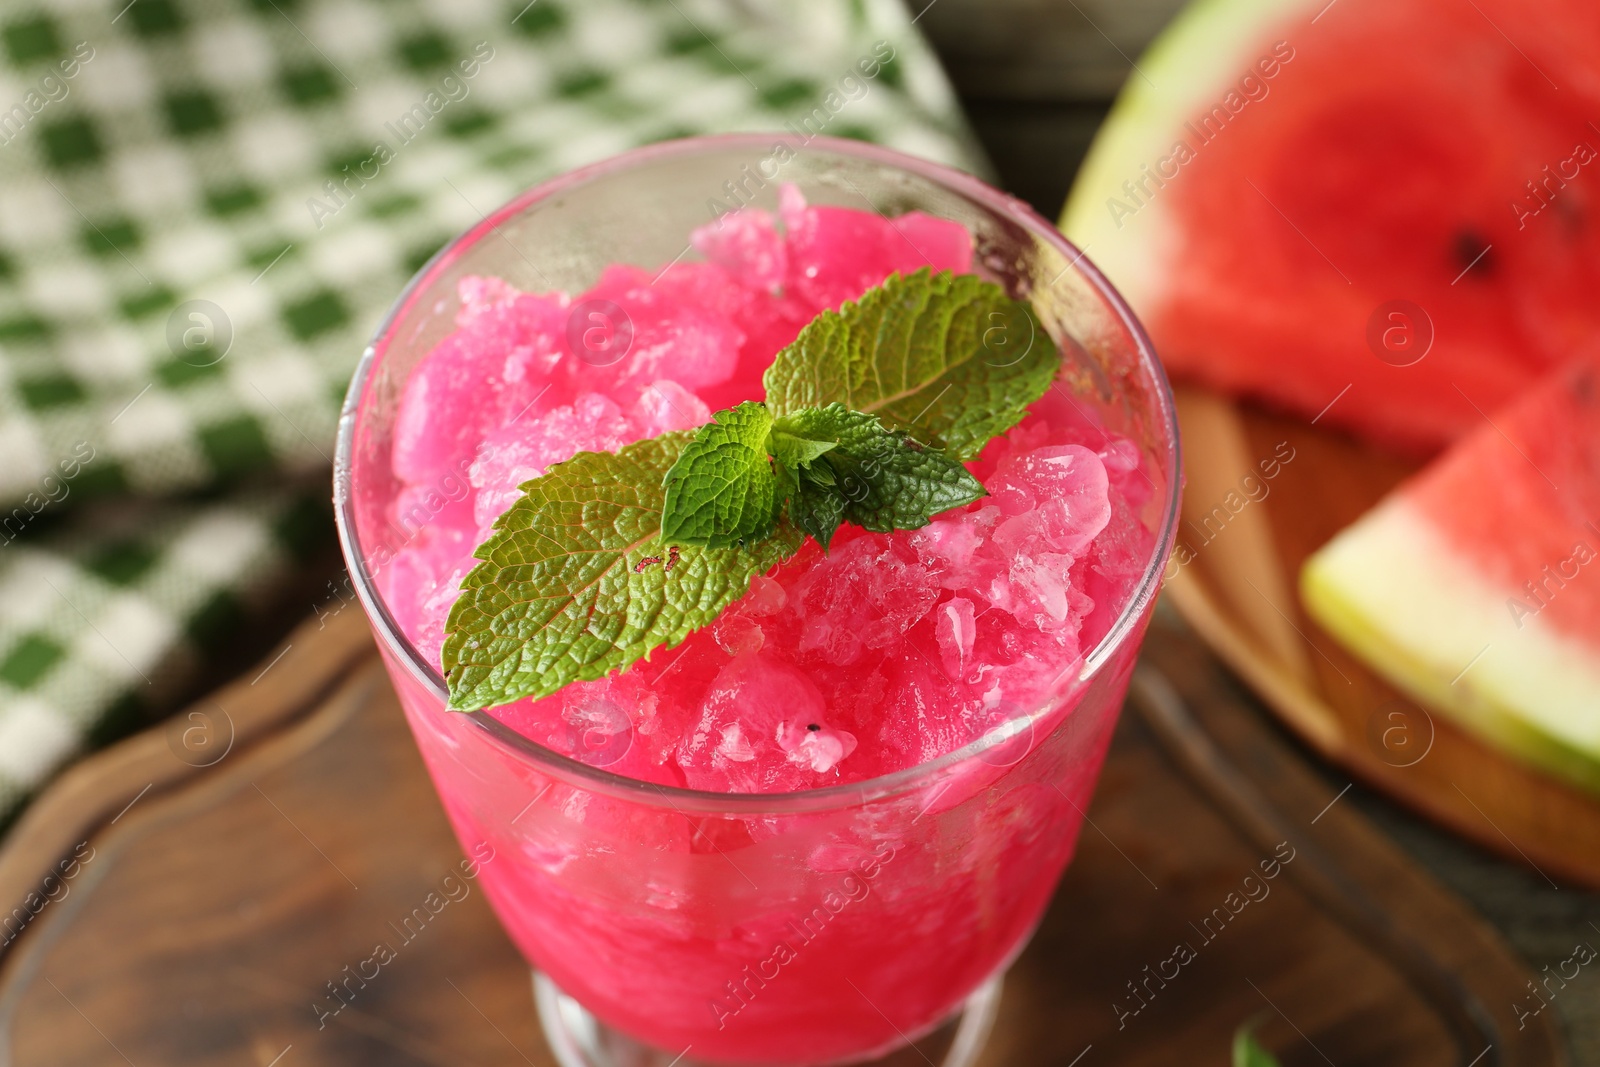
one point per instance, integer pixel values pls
(793, 450)
(1248, 1052)
(721, 492)
(816, 506)
(575, 584)
(886, 480)
(947, 358)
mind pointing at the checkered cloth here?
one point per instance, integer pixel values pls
(183, 293)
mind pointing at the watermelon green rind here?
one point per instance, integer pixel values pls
(1194, 61)
(1391, 591)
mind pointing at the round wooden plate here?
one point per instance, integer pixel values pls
(1263, 492)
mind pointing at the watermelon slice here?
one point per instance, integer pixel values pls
(1382, 212)
(1476, 585)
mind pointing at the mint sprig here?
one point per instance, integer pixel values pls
(869, 417)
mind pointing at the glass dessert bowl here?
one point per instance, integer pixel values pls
(819, 826)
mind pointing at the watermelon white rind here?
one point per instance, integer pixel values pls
(1188, 67)
(1391, 590)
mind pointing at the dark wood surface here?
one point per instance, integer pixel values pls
(204, 919)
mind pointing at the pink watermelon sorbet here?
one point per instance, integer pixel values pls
(885, 652)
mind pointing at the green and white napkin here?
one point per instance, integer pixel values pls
(206, 206)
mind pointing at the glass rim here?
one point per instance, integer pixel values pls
(1003, 205)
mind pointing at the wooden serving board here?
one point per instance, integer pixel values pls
(1239, 591)
(212, 890)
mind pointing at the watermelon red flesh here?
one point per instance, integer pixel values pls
(1387, 155)
(1520, 500)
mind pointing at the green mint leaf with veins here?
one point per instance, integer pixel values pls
(791, 449)
(722, 491)
(575, 582)
(884, 478)
(948, 358)
(816, 505)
